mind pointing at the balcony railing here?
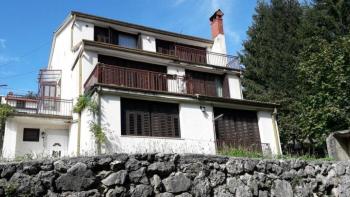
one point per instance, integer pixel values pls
(149, 80)
(199, 56)
(43, 106)
(135, 78)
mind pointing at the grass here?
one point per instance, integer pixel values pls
(234, 152)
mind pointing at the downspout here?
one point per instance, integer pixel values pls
(79, 115)
(99, 116)
(276, 132)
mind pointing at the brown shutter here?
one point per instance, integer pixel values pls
(237, 129)
(226, 87)
(202, 83)
(146, 118)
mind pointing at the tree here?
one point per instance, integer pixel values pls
(325, 77)
(270, 57)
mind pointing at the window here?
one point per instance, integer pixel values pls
(31, 135)
(205, 83)
(127, 40)
(20, 104)
(101, 34)
(146, 118)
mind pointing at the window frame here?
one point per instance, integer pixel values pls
(30, 138)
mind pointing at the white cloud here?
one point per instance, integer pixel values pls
(2, 43)
(6, 59)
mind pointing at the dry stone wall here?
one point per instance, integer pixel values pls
(168, 175)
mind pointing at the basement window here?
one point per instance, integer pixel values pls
(31, 135)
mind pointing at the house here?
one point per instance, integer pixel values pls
(156, 91)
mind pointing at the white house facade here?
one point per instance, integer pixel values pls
(156, 91)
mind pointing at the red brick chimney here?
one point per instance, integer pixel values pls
(216, 23)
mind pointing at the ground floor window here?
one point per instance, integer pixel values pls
(31, 135)
(237, 129)
(148, 118)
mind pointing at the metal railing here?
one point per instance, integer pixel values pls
(136, 78)
(44, 106)
(199, 56)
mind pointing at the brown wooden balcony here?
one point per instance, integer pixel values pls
(200, 56)
(150, 80)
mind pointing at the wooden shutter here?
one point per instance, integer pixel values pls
(226, 87)
(237, 129)
(165, 120)
(146, 118)
(202, 83)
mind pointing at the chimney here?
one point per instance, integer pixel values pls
(216, 24)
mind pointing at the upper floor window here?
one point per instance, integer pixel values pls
(109, 35)
(127, 40)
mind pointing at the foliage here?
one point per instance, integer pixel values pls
(237, 152)
(96, 129)
(11, 189)
(5, 111)
(325, 77)
(83, 102)
(31, 95)
(270, 57)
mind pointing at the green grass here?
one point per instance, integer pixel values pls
(233, 152)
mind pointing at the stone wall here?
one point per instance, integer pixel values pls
(174, 175)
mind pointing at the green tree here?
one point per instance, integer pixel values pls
(325, 77)
(270, 57)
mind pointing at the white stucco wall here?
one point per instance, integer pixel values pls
(219, 45)
(235, 87)
(148, 43)
(89, 61)
(56, 131)
(10, 138)
(267, 133)
(82, 30)
(196, 128)
(177, 85)
(87, 140)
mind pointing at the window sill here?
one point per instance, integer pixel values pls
(152, 137)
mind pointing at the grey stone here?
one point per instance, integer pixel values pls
(156, 182)
(185, 194)
(282, 188)
(115, 178)
(60, 166)
(47, 178)
(137, 175)
(177, 183)
(235, 166)
(201, 187)
(132, 164)
(222, 191)
(8, 171)
(31, 169)
(142, 190)
(165, 194)
(243, 191)
(233, 183)
(117, 165)
(118, 191)
(78, 178)
(216, 178)
(104, 161)
(162, 169)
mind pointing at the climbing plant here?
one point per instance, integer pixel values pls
(86, 102)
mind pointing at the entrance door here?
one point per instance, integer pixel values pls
(57, 143)
(237, 129)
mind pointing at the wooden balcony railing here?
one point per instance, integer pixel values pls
(44, 106)
(135, 78)
(150, 80)
(199, 56)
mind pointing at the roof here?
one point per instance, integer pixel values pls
(130, 25)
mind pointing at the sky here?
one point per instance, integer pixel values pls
(27, 27)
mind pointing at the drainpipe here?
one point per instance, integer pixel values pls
(79, 115)
(215, 137)
(99, 116)
(276, 132)
(71, 33)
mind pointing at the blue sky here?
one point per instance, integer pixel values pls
(26, 28)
